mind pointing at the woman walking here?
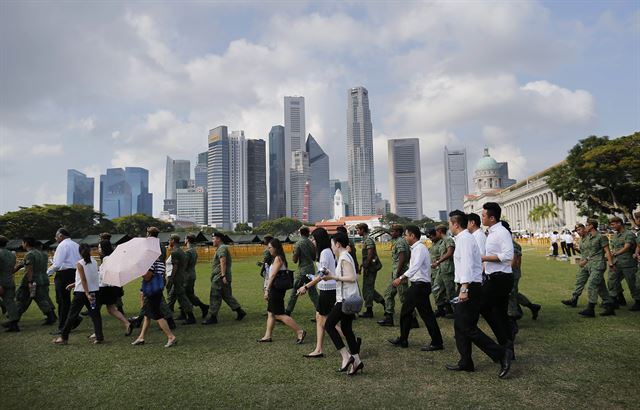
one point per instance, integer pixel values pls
(275, 296)
(108, 294)
(85, 289)
(347, 285)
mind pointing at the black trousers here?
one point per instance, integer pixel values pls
(465, 325)
(570, 250)
(495, 305)
(79, 301)
(63, 296)
(336, 316)
(417, 297)
(563, 246)
(555, 248)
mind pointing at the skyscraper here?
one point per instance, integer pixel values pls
(278, 173)
(405, 182)
(455, 178)
(294, 134)
(192, 205)
(218, 178)
(178, 173)
(125, 192)
(138, 181)
(257, 181)
(321, 196)
(360, 152)
(299, 180)
(238, 177)
(200, 170)
(80, 188)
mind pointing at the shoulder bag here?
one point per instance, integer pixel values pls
(351, 304)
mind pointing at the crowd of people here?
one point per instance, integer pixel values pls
(470, 273)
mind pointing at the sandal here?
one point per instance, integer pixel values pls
(59, 341)
(268, 340)
(137, 342)
(172, 343)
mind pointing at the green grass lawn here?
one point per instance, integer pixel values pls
(564, 361)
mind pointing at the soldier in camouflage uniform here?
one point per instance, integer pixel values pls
(444, 263)
(8, 285)
(582, 276)
(304, 254)
(623, 244)
(595, 248)
(400, 255)
(190, 284)
(370, 266)
(178, 280)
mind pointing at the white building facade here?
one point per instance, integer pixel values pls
(238, 183)
(192, 205)
(405, 181)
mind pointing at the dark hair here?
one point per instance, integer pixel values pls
(29, 241)
(459, 217)
(176, 238)
(363, 226)
(475, 218)
(579, 225)
(503, 222)
(615, 219)
(3, 241)
(277, 245)
(106, 248)
(397, 228)
(341, 229)
(191, 238)
(322, 241)
(64, 232)
(153, 231)
(341, 238)
(431, 232)
(218, 235)
(267, 239)
(304, 231)
(442, 228)
(414, 230)
(85, 252)
(593, 222)
(507, 226)
(493, 209)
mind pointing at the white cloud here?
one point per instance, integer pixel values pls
(83, 124)
(46, 150)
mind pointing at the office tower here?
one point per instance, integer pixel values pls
(504, 175)
(79, 188)
(321, 196)
(192, 205)
(405, 182)
(360, 152)
(257, 178)
(338, 205)
(277, 173)
(200, 171)
(218, 204)
(178, 173)
(443, 215)
(294, 134)
(125, 192)
(238, 177)
(455, 178)
(299, 181)
(141, 199)
(381, 205)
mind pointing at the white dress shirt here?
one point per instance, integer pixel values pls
(65, 257)
(328, 261)
(419, 264)
(499, 243)
(568, 238)
(467, 260)
(481, 239)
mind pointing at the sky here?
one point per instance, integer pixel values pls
(93, 85)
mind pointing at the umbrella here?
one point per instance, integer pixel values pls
(129, 261)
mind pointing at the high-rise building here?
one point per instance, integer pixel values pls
(218, 178)
(200, 170)
(238, 177)
(294, 139)
(443, 215)
(299, 181)
(382, 206)
(80, 188)
(278, 173)
(192, 205)
(125, 192)
(455, 178)
(405, 181)
(360, 152)
(178, 173)
(257, 182)
(321, 195)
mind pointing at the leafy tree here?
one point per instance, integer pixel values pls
(601, 175)
(391, 219)
(243, 227)
(425, 223)
(280, 226)
(545, 211)
(137, 224)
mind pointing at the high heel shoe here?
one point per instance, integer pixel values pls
(358, 368)
(301, 340)
(346, 367)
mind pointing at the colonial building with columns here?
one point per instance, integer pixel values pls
(519, 199)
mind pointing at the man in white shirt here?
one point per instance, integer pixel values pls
(468, 276)
(64, 266)
(553, 237)
(475, 229)
(417, 295)
(568, 238)
(498, 274)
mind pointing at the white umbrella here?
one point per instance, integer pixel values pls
(129, 261)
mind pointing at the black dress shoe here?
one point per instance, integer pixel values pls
(387, 321)
(458, 368)
(432, 348)
(314, 356)
(205, 309)
(505, 363)
(535, 309)
(240, 314)
(264, 340)
(399, 342)
(211, 321)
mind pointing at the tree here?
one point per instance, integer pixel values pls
(280, 226)
(543, 211)
(391, 219)
(243, 227)
(601, 175)
(42, 221)
(137, 224)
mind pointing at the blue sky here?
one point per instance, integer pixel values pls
(95, 85)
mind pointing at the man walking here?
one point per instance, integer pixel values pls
(221, 283)
(597, 252)
(417, 295)
(178, 280)
(582, 276)
(8, 285)
(400, 254)
(468, 277)
(303, 254)
(623, 244)
(475, 229)
(370, 266)
(65, 259)
(444, 263)
(192, 261)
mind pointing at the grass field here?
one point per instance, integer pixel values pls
(564, 361)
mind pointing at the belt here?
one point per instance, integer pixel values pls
(495, 275)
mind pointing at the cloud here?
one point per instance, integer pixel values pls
(46, 150)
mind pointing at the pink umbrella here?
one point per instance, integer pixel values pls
(129, 261)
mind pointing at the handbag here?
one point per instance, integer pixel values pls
(351, 304)
(153, 286)
(283, 280)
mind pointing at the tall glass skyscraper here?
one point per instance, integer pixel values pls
(178, 173)
(456, 178)
(321, 197)
(200, 170)
(80, 188)
(218, 178)
(360, 152)
(294, 141)
(277, 173)
(125, 192)
(257, 181)
(405, 181)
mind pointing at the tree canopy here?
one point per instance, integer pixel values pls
(601, 175)
(280, 226)
(137, 224)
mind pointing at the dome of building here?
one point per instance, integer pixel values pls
(487, 163)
